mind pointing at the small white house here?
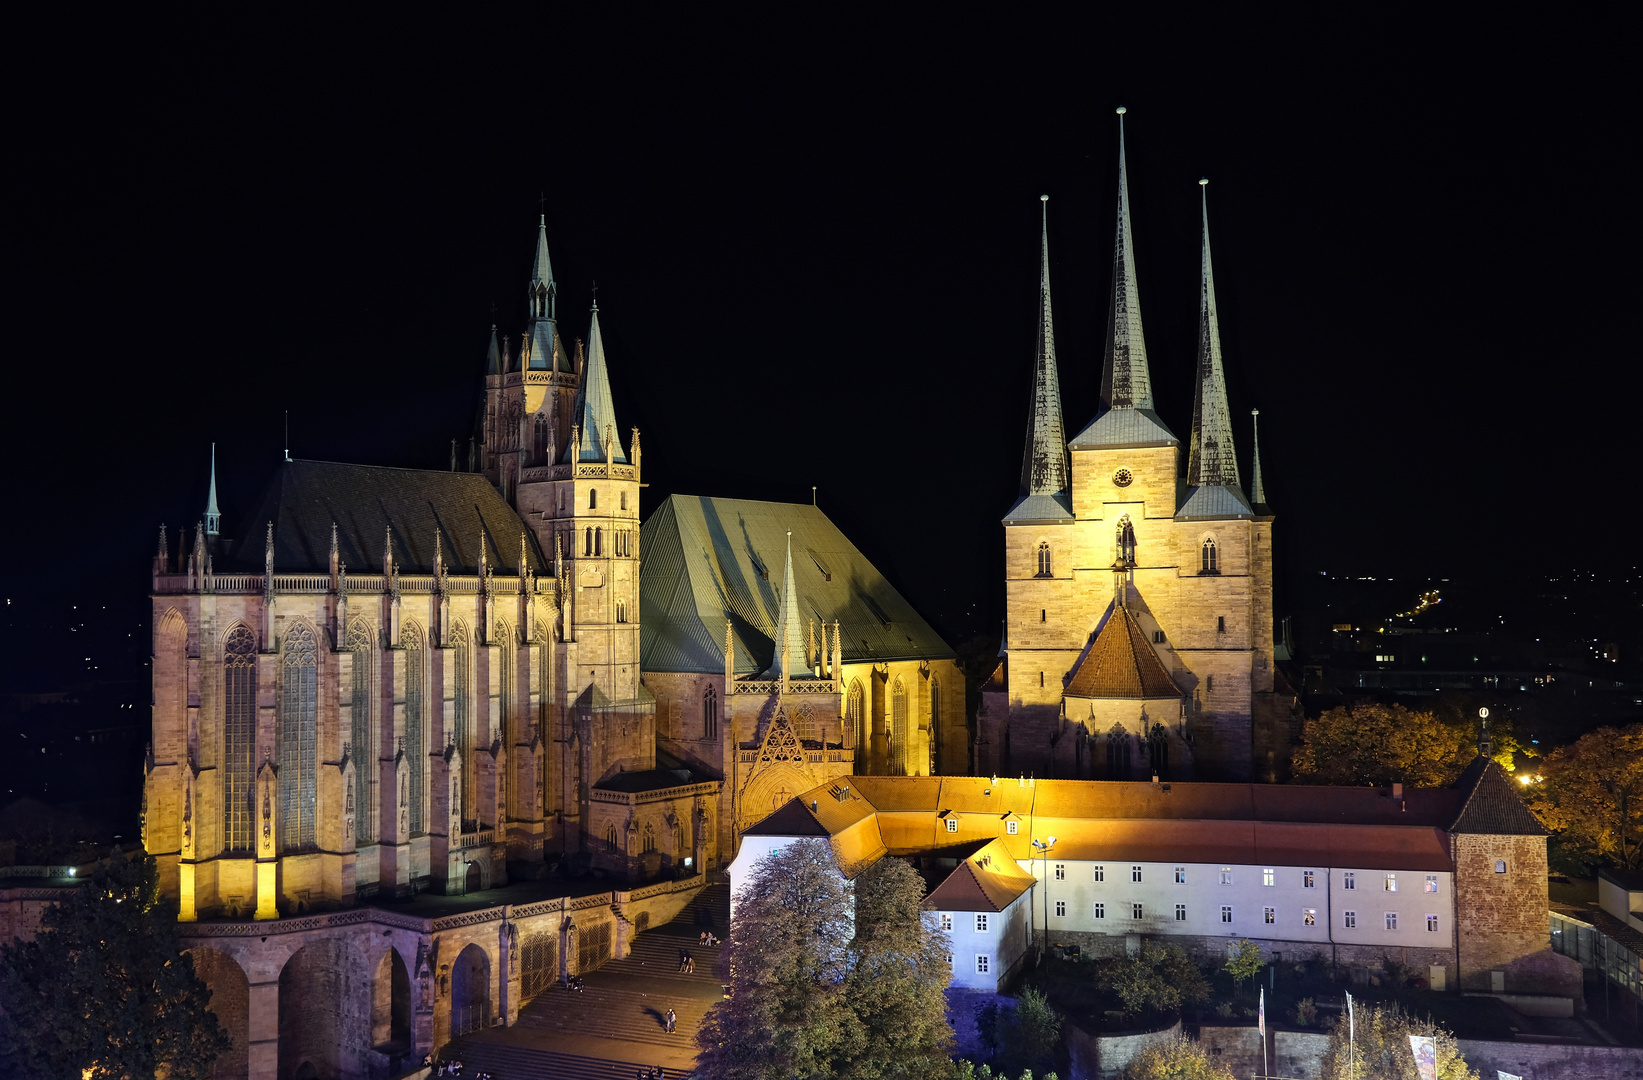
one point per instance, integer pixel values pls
(985, 906)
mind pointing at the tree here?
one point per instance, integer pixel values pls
(1380, 1047)
(1591, 793)
(104, 991)
(1371, 744)
(788, 957)
(1179, 1058)
(897, 984)
(1156, 982)
(1243, 961)
(1032, 1033)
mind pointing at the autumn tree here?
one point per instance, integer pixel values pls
(1179, 1058)
(788, 957)
(1030, 1034)
(899, 973)
(104, 991)
(1157, 981)
(1243, 961)
(1379, 1047)
(1591, 794)
(1372, 744)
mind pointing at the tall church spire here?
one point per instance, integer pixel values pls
(543, 334)
(789, 659)
(213, 519)
(543, 292)
(1127, 418)
(595, 413)
(1125, 381)
(1257, 490)
(1044, 465)
(1212, 462)
(493, 355)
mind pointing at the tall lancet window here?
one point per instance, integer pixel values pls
(1118, 753)
(362, 748)
(1126, 542)
(587, 542)
(239, 736)
(898, 729)
(415, 756)
(504, 663)
(1209, 561)
(299, 693)
(462, 717)
(935, 719)
(855, 714)
(710, 713)
(541, 449)
(1044, 559)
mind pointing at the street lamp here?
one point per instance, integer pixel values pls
(1044, 847)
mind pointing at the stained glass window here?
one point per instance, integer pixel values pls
(299, 684)
(239, 736)
(362, 749)
(411, 643)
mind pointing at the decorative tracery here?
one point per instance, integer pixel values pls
(298, 735)
(239, 736)
(363, 751)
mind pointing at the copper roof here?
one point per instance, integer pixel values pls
(1121, 663)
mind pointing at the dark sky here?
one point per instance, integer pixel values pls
(815, 240)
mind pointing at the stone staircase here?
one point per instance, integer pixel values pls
(614, 1027)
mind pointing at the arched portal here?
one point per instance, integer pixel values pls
(231, 1001)
(475, 880)
(470, 991)
(391, 1004)
(324, 1012)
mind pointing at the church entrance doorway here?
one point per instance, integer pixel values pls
(474, 883)
(470, 991)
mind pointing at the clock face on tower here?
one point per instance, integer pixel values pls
(1122, 478)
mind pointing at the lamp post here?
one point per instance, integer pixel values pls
(1044, 847)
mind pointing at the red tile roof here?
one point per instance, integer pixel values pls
(1121, 663)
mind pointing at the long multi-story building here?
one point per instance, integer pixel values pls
(1448, 881)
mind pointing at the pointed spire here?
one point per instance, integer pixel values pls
(594, 412)
(541, 344)
(789, 659)
(542, 288)
(1125, 380)
(213, 519)
(493, 355)
(1257, 490)
(1044, 466)
(1211, 460)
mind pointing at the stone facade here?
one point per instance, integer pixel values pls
(1500, 902)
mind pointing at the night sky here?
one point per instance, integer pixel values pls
(816, 242)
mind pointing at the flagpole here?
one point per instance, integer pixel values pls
(1351, 1040)
(1266, 1069)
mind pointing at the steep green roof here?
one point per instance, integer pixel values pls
(708, 560)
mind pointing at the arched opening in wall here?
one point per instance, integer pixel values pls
(804, 723)
(470, 991)
(391, 1004)
(1044, 558)
(231, 1001)
(650, 839)
(898, 729)
(324, 1022)
(1118, 753)
(855, 714)
(239, 678)
(1158, 746)
(935, 723)
(410, 640)
(610, 837)
(362, 747)
(1209, 558)
(539, 964)
(710, 713)
(462, 719)
(474, 881)
(298, 737)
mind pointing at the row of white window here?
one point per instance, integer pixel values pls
(1269, 916)
(1269, 876)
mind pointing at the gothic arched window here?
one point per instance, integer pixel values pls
(935, 720)
(898, 729)
(1044, 558)
(298, 723)
(462, 718)
(1118, 753)
(541, 449)
(1210, 562)
(610, 837)
(650, 839)
(855, 713)
(1126, 541)
(239, 736)
(598, 541)
(621, 611)
(593, 499)
(710, 713)
(587, 542)
(411, 656)
(361, 749)
(1158, 744)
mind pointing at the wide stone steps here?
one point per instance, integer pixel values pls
(611, 1013)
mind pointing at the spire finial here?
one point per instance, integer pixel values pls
(789, 658)
(596, 295)
(213, 519)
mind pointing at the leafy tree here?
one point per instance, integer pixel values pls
(898, 977)
(1157, 981)
(987, 1026)
(1179, 1058)
(1243, 961)
(1372, 744)
(1591, 793)
(1381, 1050)
(1032, 1033)
(104, 991)
(788, 958)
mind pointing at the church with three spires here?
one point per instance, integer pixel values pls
(1139, 627)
